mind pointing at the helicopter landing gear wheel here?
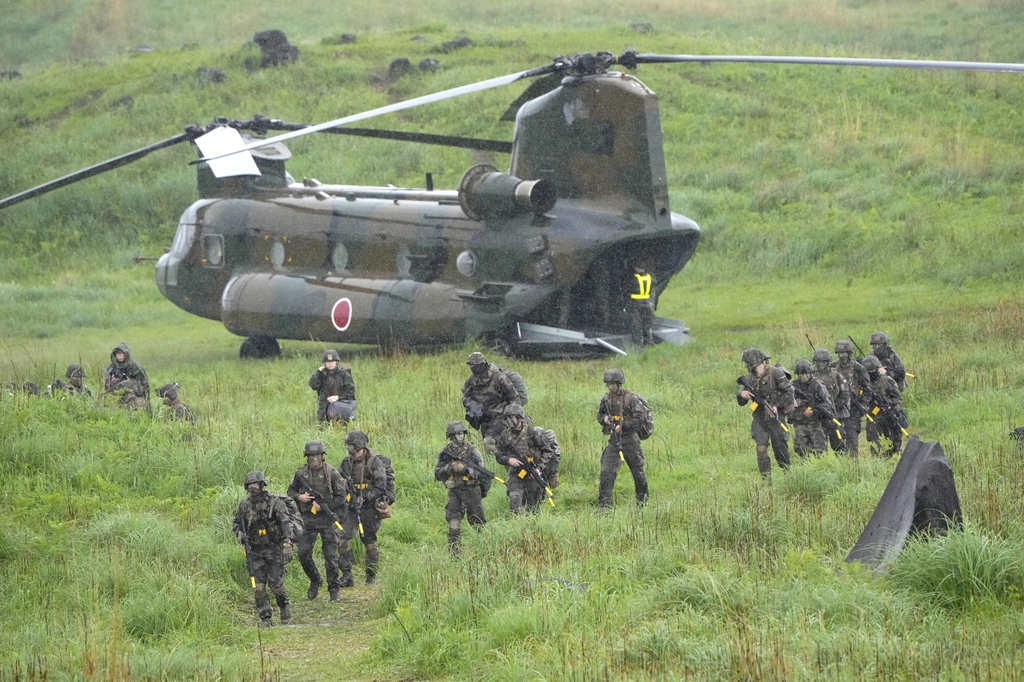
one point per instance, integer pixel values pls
(260, 348)
(501, 344)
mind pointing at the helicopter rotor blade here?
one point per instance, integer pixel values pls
(116, 162)
(631, 59)
(424, 138)
(391, 108)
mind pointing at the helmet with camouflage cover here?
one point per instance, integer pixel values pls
(331, 356)
(513, 410)
(844, 346)
(879, 339)
(74, 371)
(614, 376)
(254, 477)
(476, 358)
(168, 391)
(314, 447)
(803, 366)
(357, 438)
(822, 357)
(454, 428)
(871, 363)
(754, 356)
(127, 385)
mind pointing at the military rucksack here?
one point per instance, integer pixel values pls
(294, 516)
(517, 381)
(551, 441)
(645, 418)
(389, 471)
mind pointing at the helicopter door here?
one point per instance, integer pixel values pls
(213, 250)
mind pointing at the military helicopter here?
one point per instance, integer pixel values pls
(532, 261)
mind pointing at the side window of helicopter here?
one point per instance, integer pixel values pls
(213, 250)
(592, 137)
(339, 257)
(277, 254)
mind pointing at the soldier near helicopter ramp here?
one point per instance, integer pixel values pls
(335, 390)
(640, 304)
(621, 415)
(122, 367)
(328, 490)
(461, 469)
(263, 527)
(772, 396)
(485, 395)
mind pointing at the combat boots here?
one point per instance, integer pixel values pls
(286, 614)
(314, 590)
(335, 596)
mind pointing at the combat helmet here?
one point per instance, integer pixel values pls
(803, 366)
(871, 363)
(169, 391)
(879, 338)
(513, 410)
(75, 371)
(476, 358)
(357, 438)
(314, 447)
(754, 356)
(844, 346)
(330, 355)
(822, 357)
(254, 477)
(454, 428)
(614, 376)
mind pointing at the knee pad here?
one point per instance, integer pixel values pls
(454, 525)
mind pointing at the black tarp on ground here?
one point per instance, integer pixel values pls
(920, 498)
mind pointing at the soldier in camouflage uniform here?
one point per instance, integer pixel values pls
(335, 390)
(465, 484)
(129, 392)
(618, 416)
(75, 375)
(521, 440)
(326, 480)
(889, 413)
(263, 518)
(889, 359)
(838, 391)
(856, 377)
(810, 432)
(485, 395)
(122, 367)
(367, 485)
(771, 382)
(169, 394)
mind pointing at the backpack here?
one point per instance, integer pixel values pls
(294, 516)
(517, 381)
(551, 440)
(389, 487)
(645, 428)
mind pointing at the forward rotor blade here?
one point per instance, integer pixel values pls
(994, 67)
(425, 138)
(398, 106)
(116, 162)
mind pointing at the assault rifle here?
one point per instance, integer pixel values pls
(469, 464)
(321, 501)
(882, 405)
(531, 469)
(759, 400)
(356, 505)
(824, 412)
(474, 414)
(247, 551)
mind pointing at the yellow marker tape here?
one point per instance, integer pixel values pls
(522, 473)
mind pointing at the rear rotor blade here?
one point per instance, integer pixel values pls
(398, 106)
(630, 59)
(116, 162)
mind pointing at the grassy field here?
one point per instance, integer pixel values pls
(832, 202)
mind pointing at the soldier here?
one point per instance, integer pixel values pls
(461, 469)
(262, 526)
(75, 375)
(122, 367)
(619, 415)
(838, 391)
(640, 306)
(31, 388)
(856, 377)
(485, 395)
(367, 487)
(522, 447)
(889, 359)
(129, 395)
(811, 396)
(181, 411)
(335, 389)
(885, 403)
(769, 387)
(325, 480)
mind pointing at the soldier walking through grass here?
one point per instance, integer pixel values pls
(262, 525)
(367, 482)
(769, 388)
(335, 390)
(812, 401)
(621, 416)
(889, 359)
(485, 394)
(461, 469)
(856, 377)
(530, 459)
(316, 522)
(839, 393)
(885, 405)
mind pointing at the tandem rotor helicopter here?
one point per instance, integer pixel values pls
(530, 260)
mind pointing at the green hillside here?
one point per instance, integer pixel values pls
(833, 202)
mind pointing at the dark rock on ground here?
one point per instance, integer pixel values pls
(399, 68)
(428, 64)
(276, 48)
(452, 45)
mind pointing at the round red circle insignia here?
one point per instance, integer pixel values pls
(341, 314)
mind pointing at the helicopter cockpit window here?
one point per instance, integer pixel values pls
(277, 254)
(592, 137)
(339, 258)
(213, 250)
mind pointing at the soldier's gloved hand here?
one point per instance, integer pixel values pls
(553, 481)
(450, 484)
(287, 551)
(241, 538)
(458, 467)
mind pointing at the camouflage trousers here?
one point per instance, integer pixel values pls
(370, 521)
(641, 321)
(268, 568)
(329, 546)
(491, 431)
(851, 435)
(610, 464)
(524, 493)
(463, 500)
(765, 431)
(884, 427)
(809, 438)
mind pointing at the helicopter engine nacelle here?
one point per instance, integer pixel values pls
(484, 192)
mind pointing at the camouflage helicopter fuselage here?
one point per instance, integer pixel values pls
(350, 264)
